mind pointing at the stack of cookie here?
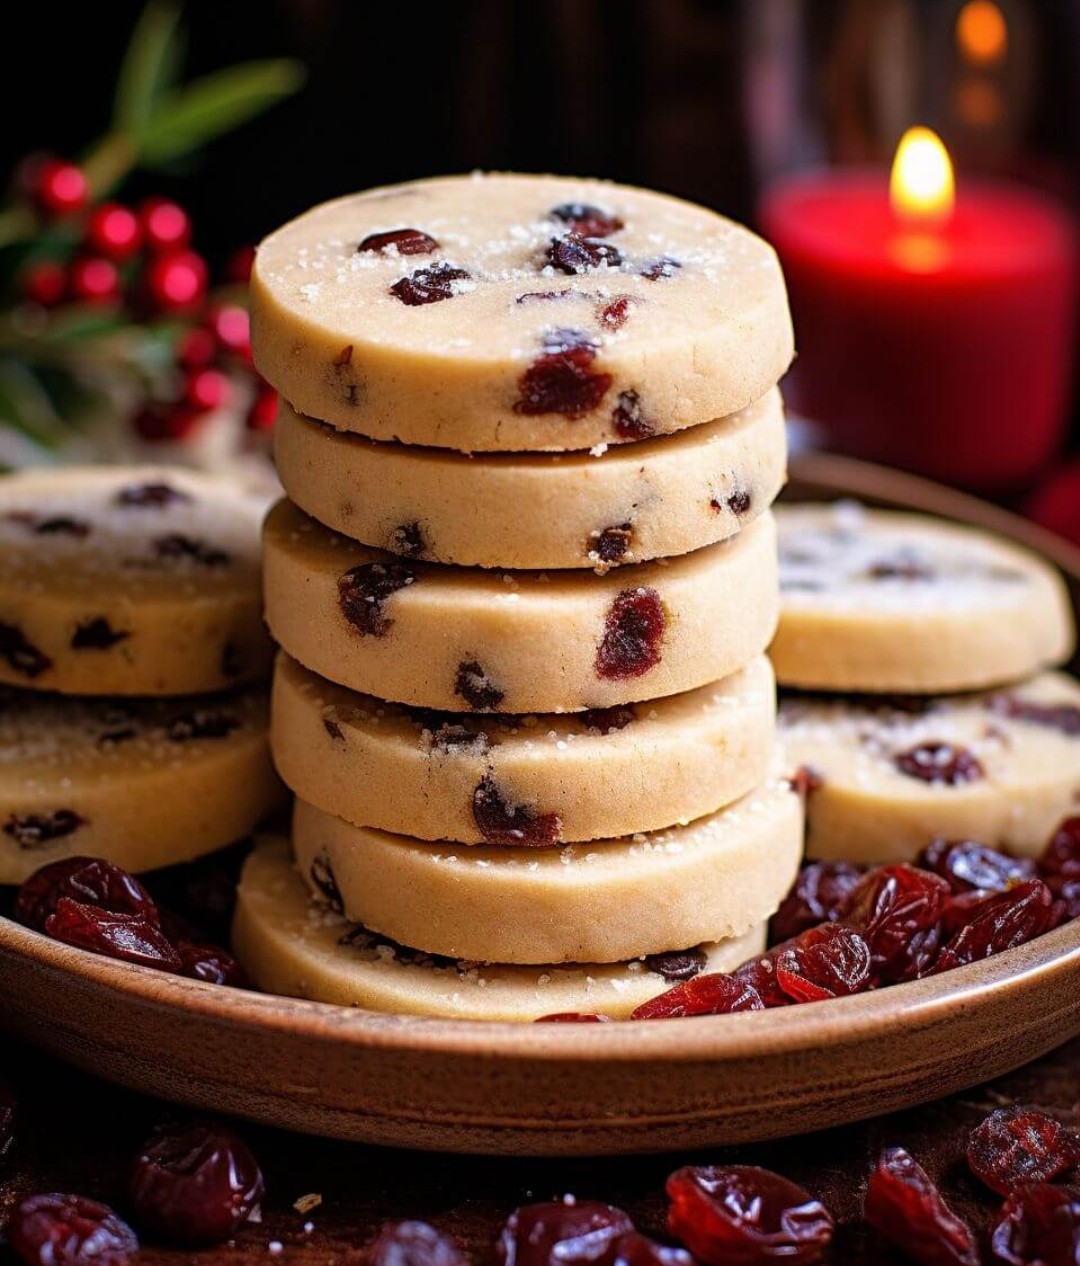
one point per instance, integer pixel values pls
(523, 587)
(940, 719)
(129, 622)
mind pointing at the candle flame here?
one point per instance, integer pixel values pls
(922, 187)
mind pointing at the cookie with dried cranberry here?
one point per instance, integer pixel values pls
(129, 581)
(517, 313)
(601, 773)
(540, 902)
(1001, 767)
(873, 600)
(625, 504)
(465, 639)
(291, 945)
(143, 783)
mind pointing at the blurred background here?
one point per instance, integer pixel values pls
(720, 101)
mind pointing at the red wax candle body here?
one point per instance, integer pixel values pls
(948, 350)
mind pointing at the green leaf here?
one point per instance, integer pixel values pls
(25, 405)
(150, 67)
(215, 104)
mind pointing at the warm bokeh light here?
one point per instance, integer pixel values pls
(921, 187)
(982, 34)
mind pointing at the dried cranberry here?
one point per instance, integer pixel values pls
(728, 1215)
(21, 654)
(819, 895)
(88, 880)
(202, 723)
(898, 911)
(1039, 1226)
(562, 378)
(677, 965)
(334, 730)
(573, 1017)
(505, 824)
(614, 314)
(969, 866)
(363, 591)
(408, 539)
(1000, 922)
(63, 1230)
(904, 566)
(629, 419)
(760, 974)
(178, 546)
(96, 635)
(715, 993)
(1061, 858)
(7, 1117)
(574, 254)
(151, 496)
(343, 358)
(1052, 716)
(633, 630)
(611, 544)
(660, 269)
(1019, 1146)
(939, 763)
(560, 1233)
(905, 1206)
(805, 781)
(830, 961)
(322, 876)
(399, 242)
(740, 501)
(135, 938)
(36, 830)
(636, 1249)
(607, 720)
(209, 963)
(475, 687)
(63, 525)
(428, 285)
(195, 1184)
(411, 1244)
(587, 220)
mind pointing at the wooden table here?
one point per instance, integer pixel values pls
(77, 1134)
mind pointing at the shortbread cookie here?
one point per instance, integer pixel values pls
(129, 581)
(597, 902)
(143, 783)
(890, 775)
(292, 945)
(878, 601)
(488, 313)
(527, 780)
(534, 510)
(462, 638)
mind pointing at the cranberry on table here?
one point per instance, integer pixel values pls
(166, 226)
(113, 230)
(59, 188)
(65, 1230)
(830, 961)
(411, 1243)
(1019, 1146)
(727, 1215)
(820, 895)
(560, 1233)
(905, 1206)
(195, 1184)
(88, 880)
(715, 993)
(1039, 1226)
(898, 911)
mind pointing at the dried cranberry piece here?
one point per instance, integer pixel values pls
(151, 496)
(633, 630)
(195, 1184)
(898, 911)
(1061, 858)
(96, 635)
(588, 221)
(939, 763)
(830, 961)
(363, 591)
(428, 285)
(63, 525)
(411, 1244)
(611, 544)
(178, 546)
(562, 378)
(408, 539)
(7, 1117)
(135, 938)
(607, 720)
(806, 780)
(760, 974)
(575, 254)
(399, 242)
(88, 880)
(202, 723)
(21, 654)
(677, 965)
(1039, 1226)
(560, 1233)
(505, 824)
(573, 1017)
(715, 993)
(737, 1215)
(969, 866)
(819, 895)
(63, 1230)
(1019, 1146)
(905, 1206)
(36, 830)
(475, 687)
(1000, 922)
(614, 314)
(636, 1249)
(209, 963)
(1052, 716)
(660, 269)
(630, 422)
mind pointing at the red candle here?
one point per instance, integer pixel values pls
(932, 336)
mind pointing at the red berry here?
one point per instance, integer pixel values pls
(972, 867)
(158, 423)
(563, 378)
(209, 963)
(134, 938)
(635, 1249)
(207, 389)
(166, 226)
(62, 1230)
(739, 1215)
(89, 880)
(411, 1244)
(1019, 1146)
(264, 409)
(714, 993)
(830, 961)
(819, 895)
(1000, 922)
(560, 1233)
(176, 282)
(905, 1206)
(238, 268)
(231, 328)
(44, 283)
(1039, 1226)
(113, 230)
(60, 188)
(196, 348)
(92, 279)
(898, 910)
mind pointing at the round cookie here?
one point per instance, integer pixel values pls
(503, 312)
(129, 581)
(509, 780)
(142, 783)
(873, 600)
(629, 504)
(453, 638)
(888, 776)
(598, 902)
(290, 945)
